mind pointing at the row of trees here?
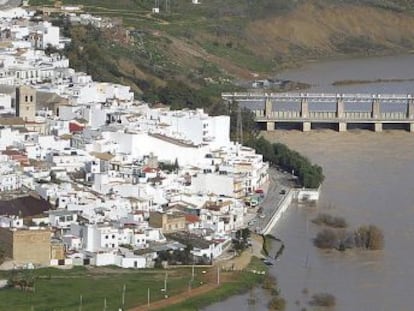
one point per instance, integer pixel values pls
(309, 175)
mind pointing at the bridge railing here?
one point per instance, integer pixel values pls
(329, 115)
(333, 96)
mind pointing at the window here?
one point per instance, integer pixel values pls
(113, 236)
(106, 237)
(31, 98)
(26, 98)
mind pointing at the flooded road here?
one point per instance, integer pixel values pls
(369, 180)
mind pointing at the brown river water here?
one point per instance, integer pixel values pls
(369, 180)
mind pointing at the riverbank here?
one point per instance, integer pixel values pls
(225, 279)
(238, 274)
(356, 82)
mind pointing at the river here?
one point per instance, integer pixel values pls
(369, 180)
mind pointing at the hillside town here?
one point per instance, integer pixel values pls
(89, 175)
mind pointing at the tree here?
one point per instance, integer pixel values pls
(369, 237)
(245, 233)
(327, 239)
(2, 254)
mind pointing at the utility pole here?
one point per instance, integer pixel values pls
(80, 303)
(104, 308)
(218, 275)
(123, 296)
(239, 126)
(192, 273)
(149, 296)
(165, 282)
(167, 7)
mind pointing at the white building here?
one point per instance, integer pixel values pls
(43, 35)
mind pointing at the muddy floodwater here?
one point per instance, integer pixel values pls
(369, 180)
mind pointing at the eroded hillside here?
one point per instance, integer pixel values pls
(206, 46)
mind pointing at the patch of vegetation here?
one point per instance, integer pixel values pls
(362, 44)
(276, 303)
(330, 221)
(323, 300)
(94, 284)
(369, 237)
(365, 237)
(241, 241)
(169, 167)
(2, 255)
(355, 82)
(241, 282)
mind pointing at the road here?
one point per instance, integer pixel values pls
(278, 181)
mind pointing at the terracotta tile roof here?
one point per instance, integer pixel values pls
(192, 218)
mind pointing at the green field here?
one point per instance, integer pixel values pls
(240, 282)
(61, 289)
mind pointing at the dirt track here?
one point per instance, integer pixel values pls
(237, 263)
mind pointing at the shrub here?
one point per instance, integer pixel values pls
(369, 237)
(330, 221)
(277, 304)
(327, 239)
(323, 300)
(269, 282)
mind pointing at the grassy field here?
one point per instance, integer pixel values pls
(233, 283)
(61, 289)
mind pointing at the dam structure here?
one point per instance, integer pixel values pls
(338, 111)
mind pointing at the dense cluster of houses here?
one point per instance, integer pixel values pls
(90, 175)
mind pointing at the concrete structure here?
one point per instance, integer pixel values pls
(300, 195)
(375, 111)
(167, 222)
(26, 103)
(26, 246)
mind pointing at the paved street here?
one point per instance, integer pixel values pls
(278, 182)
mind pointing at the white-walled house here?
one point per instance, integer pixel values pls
(43, 35)
(62, 218)
(96, 237)
(11, 222)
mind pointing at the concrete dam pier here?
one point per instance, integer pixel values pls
(338, 111)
